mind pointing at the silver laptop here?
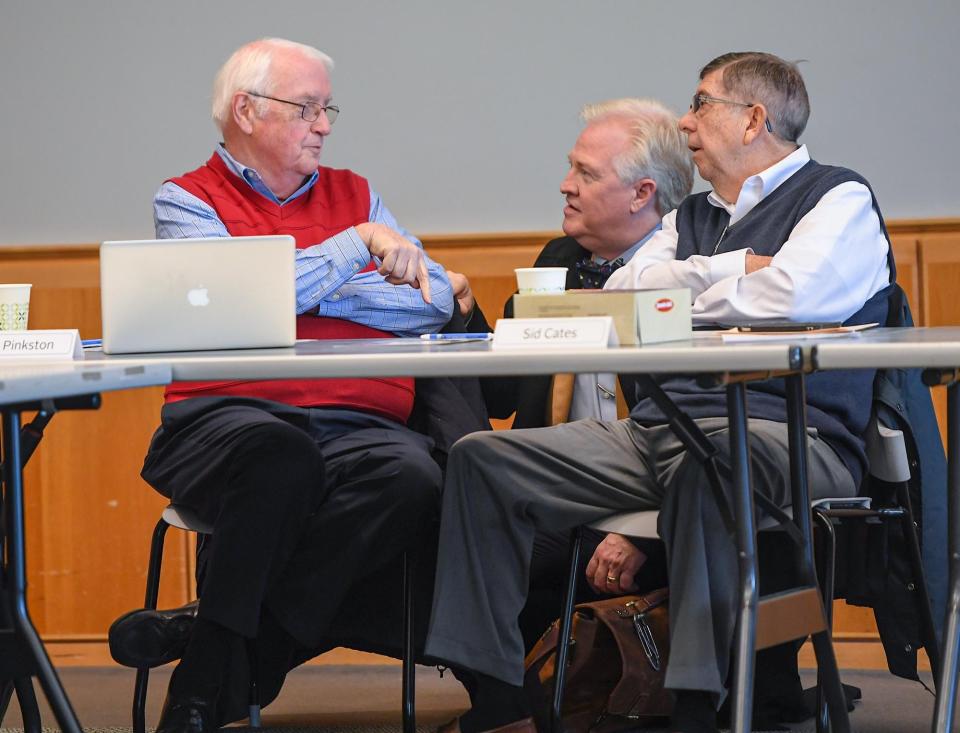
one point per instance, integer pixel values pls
(197, 294)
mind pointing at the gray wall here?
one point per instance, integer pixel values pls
(461, 114)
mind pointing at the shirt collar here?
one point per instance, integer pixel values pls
(633, 250)
(255, 181)
(757, 187)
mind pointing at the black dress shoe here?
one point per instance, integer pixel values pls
(188, 715)
(146, 638)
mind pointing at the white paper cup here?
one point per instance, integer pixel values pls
(540, 280)
(14, 307)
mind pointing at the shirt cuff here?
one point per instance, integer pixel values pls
(729, 264)
(360, 256)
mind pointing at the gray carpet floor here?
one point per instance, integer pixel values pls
(366, 699)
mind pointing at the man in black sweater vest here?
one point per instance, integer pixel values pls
(779, 237)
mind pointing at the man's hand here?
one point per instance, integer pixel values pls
(401, 261)
(756, 262)
(462, 292)
(617, 558)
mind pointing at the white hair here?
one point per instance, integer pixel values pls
(658, 149)
(248, 70)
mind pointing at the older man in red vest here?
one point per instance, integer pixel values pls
(311, 485)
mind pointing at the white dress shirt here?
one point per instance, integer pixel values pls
(595, 395)
(834, 260)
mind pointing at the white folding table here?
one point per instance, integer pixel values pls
(729, 364)
(937, 352)
(44, 388)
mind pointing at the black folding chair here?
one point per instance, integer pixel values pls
(182, 518)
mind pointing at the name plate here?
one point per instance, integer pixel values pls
(639, 316)
(521, 333)
(32, 345)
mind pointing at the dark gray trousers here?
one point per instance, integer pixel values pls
(501, 487)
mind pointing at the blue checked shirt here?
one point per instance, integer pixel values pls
(329, 281)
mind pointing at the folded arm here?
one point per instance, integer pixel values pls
(834, 260)
(328, 277)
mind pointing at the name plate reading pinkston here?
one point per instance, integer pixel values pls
(59, 345)
(544, 333)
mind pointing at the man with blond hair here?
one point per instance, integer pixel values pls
(628, 168)
(780, 236)
(312, 486)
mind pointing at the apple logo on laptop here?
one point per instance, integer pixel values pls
(198, 297)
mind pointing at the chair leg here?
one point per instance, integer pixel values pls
(832, 688)
(153, 567)
(563, 636)
(827, 581)
(150, 601)
(409, 667)
(140, 701)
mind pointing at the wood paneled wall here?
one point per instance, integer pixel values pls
(90, 516)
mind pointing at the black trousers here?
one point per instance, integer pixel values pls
(305, 504)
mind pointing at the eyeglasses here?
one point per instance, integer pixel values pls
(309, 111)
(701, 99)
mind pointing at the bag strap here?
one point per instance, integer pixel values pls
(646, 602)
(546, 646)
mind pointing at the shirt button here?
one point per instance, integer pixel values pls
(356, 266)
(335, 296)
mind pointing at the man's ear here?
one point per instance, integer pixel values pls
(244, 111)
(644, 193)
(755, 123)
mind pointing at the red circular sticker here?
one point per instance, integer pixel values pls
(663, 305)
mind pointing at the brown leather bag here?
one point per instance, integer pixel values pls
(617, 661)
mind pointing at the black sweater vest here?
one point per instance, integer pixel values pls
(838, 402)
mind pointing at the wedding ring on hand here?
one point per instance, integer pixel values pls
(612, 578)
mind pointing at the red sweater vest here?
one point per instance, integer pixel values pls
(338, 200)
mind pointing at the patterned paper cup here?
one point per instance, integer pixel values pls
(14, 307)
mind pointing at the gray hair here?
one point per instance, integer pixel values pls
(755, 76)
(658, 149)
(248, 69)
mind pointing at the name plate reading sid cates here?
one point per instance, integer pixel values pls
(639, 316)
(523, 333)
(40, 345)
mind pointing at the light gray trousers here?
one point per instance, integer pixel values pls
(501, 487)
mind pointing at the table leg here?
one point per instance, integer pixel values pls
(742, 688)
(950, 657)
(799, 491)
(29, 710)
(827, 671)
(16, 573)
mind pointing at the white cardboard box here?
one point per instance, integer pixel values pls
(640, 316)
